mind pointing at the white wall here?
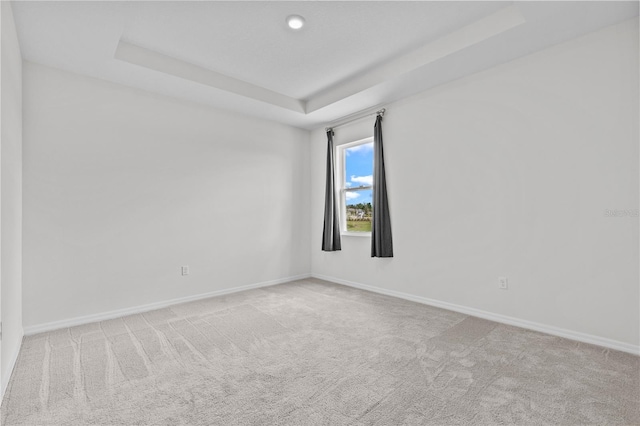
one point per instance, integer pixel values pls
(122, 187)
(10, 194)
(508, 173)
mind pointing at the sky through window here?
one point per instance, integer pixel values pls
(359, 172)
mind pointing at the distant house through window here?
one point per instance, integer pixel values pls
(355, 177)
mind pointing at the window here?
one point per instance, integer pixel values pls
(355, 182)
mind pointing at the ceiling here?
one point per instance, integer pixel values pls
(349, 57)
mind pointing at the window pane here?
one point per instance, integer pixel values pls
(358, 210)
(357, 182)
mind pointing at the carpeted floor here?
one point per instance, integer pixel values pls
(310, 353)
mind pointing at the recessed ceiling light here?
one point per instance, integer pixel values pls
(295, 22)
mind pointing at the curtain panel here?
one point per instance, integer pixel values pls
(381, 240)
(331, 231)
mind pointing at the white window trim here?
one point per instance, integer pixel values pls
(341, 169)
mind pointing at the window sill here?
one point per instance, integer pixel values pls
(356, 234)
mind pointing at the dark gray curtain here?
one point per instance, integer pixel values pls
(381, 241)
(331, 231)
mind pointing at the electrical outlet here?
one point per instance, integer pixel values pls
(503, 283)
(185, 270)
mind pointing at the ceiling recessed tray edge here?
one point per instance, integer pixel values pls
(467, 36)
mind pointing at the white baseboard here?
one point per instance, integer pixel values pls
(517, 322)
(71, 322)
(12, 364)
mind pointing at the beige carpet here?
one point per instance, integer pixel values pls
(311, 353)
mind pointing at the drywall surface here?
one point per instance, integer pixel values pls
(122, 188)
(528, 170)
(10, 194)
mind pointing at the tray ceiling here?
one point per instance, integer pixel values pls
(350, 56)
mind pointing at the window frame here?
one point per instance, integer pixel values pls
(341, 188)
